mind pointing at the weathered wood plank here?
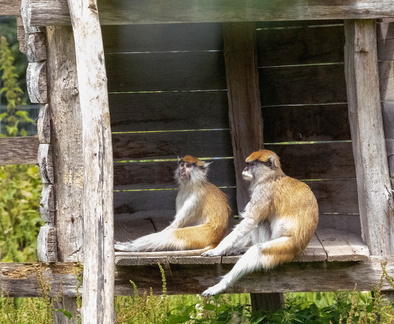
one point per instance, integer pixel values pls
(97, 198)
(18, 279)
(10, 7)
(47, 244)
(316, 160)
(18, 150)
(44, 125)
(47, 205)
(36, 79)
(328, 122)
(302, 161)
(168, 111)
(66, 141)
(45, 163)
(161, 145)
(374, 188)
(36, 47)
(246, 123)
(162, 38)
(345, 247)
(44, 13)
(161, 174)
(334, 196)
(313, 252)
(286, 44)
(166, 71)
(345, 222)
(315, 84)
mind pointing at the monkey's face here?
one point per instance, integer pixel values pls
(185, 169)
(260, 164)
(247, 173)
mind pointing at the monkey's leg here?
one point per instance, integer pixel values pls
(197, 237)
(259, 256)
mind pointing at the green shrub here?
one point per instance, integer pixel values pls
(20, 189)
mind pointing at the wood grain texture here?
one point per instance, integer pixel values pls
(36, 47)
(168, 111)
(327, 122)
(66, 138)
(47, 204)
(191, 275)
(301, 161)
(374, 188)
(44, 125)
(132, 146)
(45, 163)
(314, 84)
(246, 123)
(162, 37)
(18, 150)
(345, 247)
(44, 13)
(97, 196)
(10, 7)
(47, 244)
(168, 71)
(287, 43)
(36, 79)
(334, 196)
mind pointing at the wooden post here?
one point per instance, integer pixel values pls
(365, 116)
(246, 123)
(66, 138)
(386, 78)
(98, 248)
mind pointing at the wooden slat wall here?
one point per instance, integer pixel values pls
(305, 113)
(168, 98)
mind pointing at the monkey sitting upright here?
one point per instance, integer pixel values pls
(201, 218)
(279, 220)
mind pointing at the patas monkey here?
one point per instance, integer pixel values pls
(279, 220)
(201, 219)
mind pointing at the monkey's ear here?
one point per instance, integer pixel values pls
(206, 165)
(272, 162)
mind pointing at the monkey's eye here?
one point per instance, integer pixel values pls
(189, 165)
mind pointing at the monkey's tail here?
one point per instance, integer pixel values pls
(164, 253)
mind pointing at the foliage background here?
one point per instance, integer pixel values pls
(20, 185)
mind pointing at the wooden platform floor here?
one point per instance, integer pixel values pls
(327, 245)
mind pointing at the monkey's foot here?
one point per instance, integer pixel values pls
(212, 252)
(218, 288)
(124, 246)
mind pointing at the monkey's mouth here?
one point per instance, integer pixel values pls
(182, 175)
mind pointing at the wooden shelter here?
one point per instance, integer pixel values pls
(310, 79)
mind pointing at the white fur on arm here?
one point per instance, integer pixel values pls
(236, 236)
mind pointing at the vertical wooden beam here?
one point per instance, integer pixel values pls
(365, 116)
(246, 123)
(385, 36)
(66, 139)
(98, 247)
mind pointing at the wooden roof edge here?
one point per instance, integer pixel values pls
(52, 13)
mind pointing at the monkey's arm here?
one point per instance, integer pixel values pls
(236, 240)
(241, 234)
(185, 213)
